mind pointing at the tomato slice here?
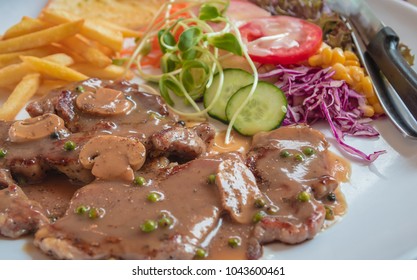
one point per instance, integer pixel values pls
(281, 39)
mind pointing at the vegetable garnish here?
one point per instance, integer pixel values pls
(190, 47)
(313, 95)
(281, 39)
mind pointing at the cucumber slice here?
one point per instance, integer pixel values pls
(234, 79)
(264, 112)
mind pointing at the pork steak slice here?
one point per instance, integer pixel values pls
(294, 171)
(182, 194)
(18, 214)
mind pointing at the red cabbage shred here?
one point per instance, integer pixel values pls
(313, 95)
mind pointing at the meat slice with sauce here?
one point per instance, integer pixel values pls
(38, 145)
(18, 214)
(120, 108)
(172, 214)
(294, 170)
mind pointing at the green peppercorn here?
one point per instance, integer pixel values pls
(272, 209)
(308, 151)
(165, 222)
(303, 196)
(69, 146)
(140, 181)
(234, 241)
(154, 197)
(299, 157)
(3, 153)
(331, 197)
(285, 154)
(149, 226)
(80, 89)
(329, 213)
(82, 209)
(200, 253)
(260, 202)
(94, 213)
(258, 216)
(211, 179)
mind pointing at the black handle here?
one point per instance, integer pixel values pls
(385, 52)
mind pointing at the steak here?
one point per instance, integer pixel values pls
(293, 170)
(146, 118)
(18, 214)
(187, 199)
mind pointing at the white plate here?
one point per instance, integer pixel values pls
(381, 222)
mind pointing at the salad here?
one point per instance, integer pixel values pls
(296, 70)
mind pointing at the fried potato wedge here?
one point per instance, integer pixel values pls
(41, 38)
(25, 26)
(90, 29)
(82, 47)
(53, 69)
(24, 90)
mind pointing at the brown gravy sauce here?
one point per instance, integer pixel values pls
(53, 194)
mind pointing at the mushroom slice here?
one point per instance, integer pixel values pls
(238, 190)
(36, 128)
(113, 157)
(104, 102)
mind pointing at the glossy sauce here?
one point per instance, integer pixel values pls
(53, 194)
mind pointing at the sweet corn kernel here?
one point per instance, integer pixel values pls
(327, 54)
(356, 73)
(368, 111)
(315, 60)
(368, 90)
(373, 100)
(349, 55)
(338, 56)
(378, 108)
(352, 63)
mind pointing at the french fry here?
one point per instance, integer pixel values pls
(126, 32)
(60, 58)
(41, 38)
(48, 85)
(12, 58)
(53, 69)
(13, 73)
(25, 26)
(91, 54)
(24, 90)
(109, 72)
(90, 29)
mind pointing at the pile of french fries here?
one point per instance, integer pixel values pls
(44, 53)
